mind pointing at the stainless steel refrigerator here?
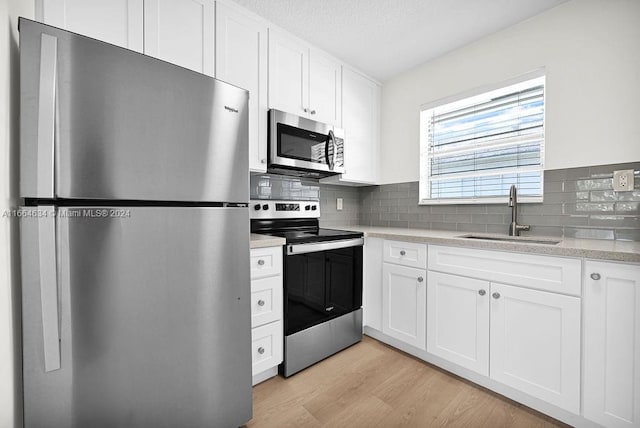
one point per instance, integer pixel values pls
(134, 239)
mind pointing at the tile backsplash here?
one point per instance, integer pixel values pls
(578, 202)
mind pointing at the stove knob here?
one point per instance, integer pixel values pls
(313, 207)
(256, 207)
(265, 207)
(307, 208)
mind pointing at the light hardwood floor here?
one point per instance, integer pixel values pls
(374, 385)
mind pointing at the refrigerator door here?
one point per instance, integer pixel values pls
(103, 122)
(151, 311)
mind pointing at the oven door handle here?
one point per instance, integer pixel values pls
(293, 249)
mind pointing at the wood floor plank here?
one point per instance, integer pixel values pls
(374, 385)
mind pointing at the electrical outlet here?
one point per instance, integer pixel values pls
(339, 204)
(623, 180)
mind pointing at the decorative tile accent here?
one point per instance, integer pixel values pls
(578, 202)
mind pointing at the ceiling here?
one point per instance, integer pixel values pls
(386, 37)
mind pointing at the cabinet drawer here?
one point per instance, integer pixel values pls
(266, 300)
(266, 347)
(556, 274)
(266, 262)
(406, 254)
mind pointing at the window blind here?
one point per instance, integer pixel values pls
(473, 149)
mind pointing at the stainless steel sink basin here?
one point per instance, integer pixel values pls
(518, 239)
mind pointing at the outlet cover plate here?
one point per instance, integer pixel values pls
(623, 180)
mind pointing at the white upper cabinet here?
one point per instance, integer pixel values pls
(288, 74)
(241, 59)
(612, 344)
(361, 123)
(325, 88)
(181, 32)
(303, 81)
(119, 22)
(177, 31)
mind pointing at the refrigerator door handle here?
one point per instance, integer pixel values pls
(46, 115)
(49, 288)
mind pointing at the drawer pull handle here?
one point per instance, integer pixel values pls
(403, 252)
(420, 279)
(496, 295)
(595, 276)
(260, 262)
(261, 350)
(260, 302)
(482, 292)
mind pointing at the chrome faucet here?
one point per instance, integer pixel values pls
(514, 227)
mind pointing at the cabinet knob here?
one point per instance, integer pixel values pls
(403, 252)
(312, 112)
(263, 161)
(420, 279)
(482, 292)
(260, 262)
(260, 302)
(595, 276)
(496, 295)
(261, 350)
(306, 110)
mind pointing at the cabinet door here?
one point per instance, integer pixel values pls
(535, 344)
(325, 89)
(180, 32)
(119, 22)
(404, 304)
(458, 320)
(241, 59)
(288, 74)
(266, 347)
(612, 344)
(360, 120)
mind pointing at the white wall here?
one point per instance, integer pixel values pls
(10, 413)
(591, 52)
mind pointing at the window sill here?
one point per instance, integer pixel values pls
(500, 200)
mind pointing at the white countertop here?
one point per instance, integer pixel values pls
(625, 251)
(261, 241)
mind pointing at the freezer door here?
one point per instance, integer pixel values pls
(151, 311)
(103, 122)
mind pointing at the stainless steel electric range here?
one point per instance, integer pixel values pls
(322, 281)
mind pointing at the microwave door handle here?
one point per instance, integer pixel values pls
(330, 139)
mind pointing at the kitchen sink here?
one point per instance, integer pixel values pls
(519, 239)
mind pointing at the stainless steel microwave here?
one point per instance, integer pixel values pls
(304, 147)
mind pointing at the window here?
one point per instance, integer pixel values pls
(474, 147)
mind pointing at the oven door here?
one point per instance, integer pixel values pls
(296, 143)
(322, 281)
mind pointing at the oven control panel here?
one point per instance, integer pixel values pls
(273, 209)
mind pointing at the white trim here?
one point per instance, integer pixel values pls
(537, 73)
(491, 200)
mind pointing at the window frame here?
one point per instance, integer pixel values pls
(424, 196)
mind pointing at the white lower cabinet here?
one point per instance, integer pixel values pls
(266, 312)
(458, 320)
(266, 347)
(535, 344)
(404, 304)
(612, 344)
(526, 339)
